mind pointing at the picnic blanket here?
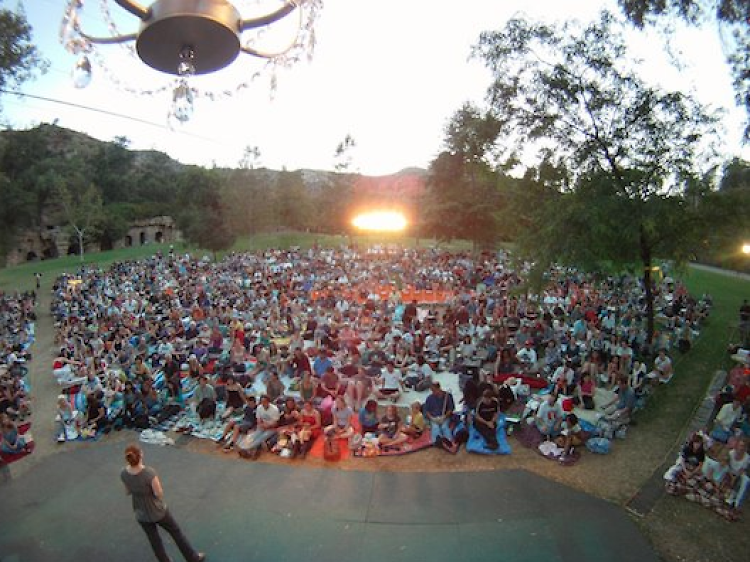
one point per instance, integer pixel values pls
(410, 446)
(551, 451)
(8, 458)
(477, 444)
(528, 435)
(533, 382)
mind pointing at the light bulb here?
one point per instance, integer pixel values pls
(182, 101)
(82, 72)
(186, 67)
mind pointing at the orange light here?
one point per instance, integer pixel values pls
(380, 221)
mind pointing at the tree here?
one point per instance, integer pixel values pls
(81, 208)
(568, 93)
(19, 58)
(732, 15)
(462, 188)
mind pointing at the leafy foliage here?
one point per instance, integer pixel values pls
(19, 58)
(614, 155)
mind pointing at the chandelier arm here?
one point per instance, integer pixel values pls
(114, 40)
(273, 17)
(136, 9)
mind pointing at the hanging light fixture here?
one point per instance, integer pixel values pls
(187, 38)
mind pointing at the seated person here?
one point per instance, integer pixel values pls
(690, 465)
(716, 475)
(235, 394)
(390, 429)
(329, 384)
(204, 399)
(390, 383)
(290, 424)
(438, 409)
(311, 426)
(584, 394)
(549, 417)
(505, 393)
(638, 378)
(132, 402)
(571, 435)
(341, 427)
(415, 423)
(359, 388)
(485, 419)
(267, 416)
(662, 367)
(726, 419)
(11, 441)
(506, 364)
(247, 423)
(420, 376)
(66, 416)
(527, 358)
(620, 409)
(368, 417)
(563, 378)
(274, 387)
(96, 414)
(308, 386)
(739, 461)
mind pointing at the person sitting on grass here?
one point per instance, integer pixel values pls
(726, 419)
(485, 419)
(549, 417)
(390, 429)
(662, 367)
(368, 417)
(11, 441)
(204, 399)
(739, 462)
(438, 409)
(571, 435)
(415, 423)
(620, 409)
(341, 428)
(247, 423)
(311, 427)
(66, 417)
(390, 383)
(267, 416)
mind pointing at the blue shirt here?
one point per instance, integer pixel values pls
(437, 406)
(320, 365)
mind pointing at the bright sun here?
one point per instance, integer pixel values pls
(381, 221)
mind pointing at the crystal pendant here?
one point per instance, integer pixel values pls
(82, 72)
(182, 102)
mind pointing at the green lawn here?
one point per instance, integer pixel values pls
(671, 407)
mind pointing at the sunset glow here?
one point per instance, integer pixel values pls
(380, 221)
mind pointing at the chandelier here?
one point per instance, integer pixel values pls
(189, 38)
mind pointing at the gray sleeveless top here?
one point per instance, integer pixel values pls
(147, 507)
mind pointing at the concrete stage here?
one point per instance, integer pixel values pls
(74, 509)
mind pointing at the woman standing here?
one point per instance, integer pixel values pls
(143, 485)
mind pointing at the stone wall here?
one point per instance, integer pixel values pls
(51, 241)
(156, 230)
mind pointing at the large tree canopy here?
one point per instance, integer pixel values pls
(623, 151)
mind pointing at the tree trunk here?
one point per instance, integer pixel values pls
(646, 259)
(80, 244)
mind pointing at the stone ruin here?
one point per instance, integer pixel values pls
(52, 241)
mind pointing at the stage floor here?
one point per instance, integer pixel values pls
(74, 508)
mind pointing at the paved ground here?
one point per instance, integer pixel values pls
(75, 509)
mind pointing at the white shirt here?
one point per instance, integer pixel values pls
(391, 379)
(269, 416)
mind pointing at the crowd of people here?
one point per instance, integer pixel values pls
(17, 322)
(346, 333)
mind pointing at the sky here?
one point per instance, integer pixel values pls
(390, 73)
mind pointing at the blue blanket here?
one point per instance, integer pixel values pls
(477, 444)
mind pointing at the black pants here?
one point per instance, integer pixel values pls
(170, 525)
(489, 434)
